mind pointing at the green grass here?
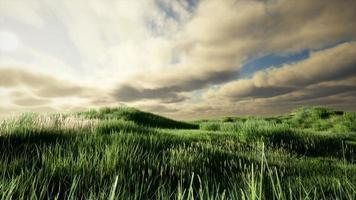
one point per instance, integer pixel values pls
(139, 117)
(123, 153)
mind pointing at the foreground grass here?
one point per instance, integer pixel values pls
(127, 154)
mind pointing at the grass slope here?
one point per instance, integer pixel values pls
(123, 153)
(136, 116)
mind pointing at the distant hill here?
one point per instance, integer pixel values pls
(313, 117)
(138, 117)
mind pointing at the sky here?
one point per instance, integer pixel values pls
(185, 59)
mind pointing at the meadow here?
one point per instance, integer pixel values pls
(124, 153)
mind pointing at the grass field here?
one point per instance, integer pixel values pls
(123, 153)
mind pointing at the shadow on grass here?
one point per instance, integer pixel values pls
(310, 144)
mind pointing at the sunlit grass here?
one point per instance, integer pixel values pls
(115, 154)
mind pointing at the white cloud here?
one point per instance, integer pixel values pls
(326, 65)
(27, 12)
(163, 51)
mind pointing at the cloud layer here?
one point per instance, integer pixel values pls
(180, 58)
(327, 65)
(222, 35)
(41, 85)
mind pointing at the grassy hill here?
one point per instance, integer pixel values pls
(124, 153)
(137, 116)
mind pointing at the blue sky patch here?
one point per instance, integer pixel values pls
(275, 60)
